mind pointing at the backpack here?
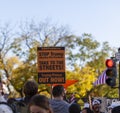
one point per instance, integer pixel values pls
(18, 105)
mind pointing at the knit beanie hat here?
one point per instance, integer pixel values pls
(74, 108)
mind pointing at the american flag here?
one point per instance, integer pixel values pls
(101, 79)
(72, 98)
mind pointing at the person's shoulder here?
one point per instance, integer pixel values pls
(19, 100)
(56, 101)
(16, 102)
(5, 108)
(65, 103)
(116, 109)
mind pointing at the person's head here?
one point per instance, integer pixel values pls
(87, 110)
(39, 104)
(58, 91)
(116, 109)
(30, 88)
(74, 108)
(96, 106)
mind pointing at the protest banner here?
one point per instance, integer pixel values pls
(51, 65)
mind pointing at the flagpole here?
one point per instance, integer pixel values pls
(51, 87)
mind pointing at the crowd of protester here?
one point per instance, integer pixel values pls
(32, 102)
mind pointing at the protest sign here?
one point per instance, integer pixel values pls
(51, 65)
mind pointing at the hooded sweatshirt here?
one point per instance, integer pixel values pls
(59, 106)
(5, 109)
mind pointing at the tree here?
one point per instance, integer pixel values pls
(25, 47)
(98, 63)
(6, 67)
(85, 77)
(83, 50)
(84, 55)
(80, 50)
(44, 34)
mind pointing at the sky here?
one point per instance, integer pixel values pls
(101, 18)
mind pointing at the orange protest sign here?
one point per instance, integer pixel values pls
(51, 65)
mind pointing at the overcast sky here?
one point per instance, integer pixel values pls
(101, 18)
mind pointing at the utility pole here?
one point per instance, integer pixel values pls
(119, 81)
(117, 55)
(119, 74)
